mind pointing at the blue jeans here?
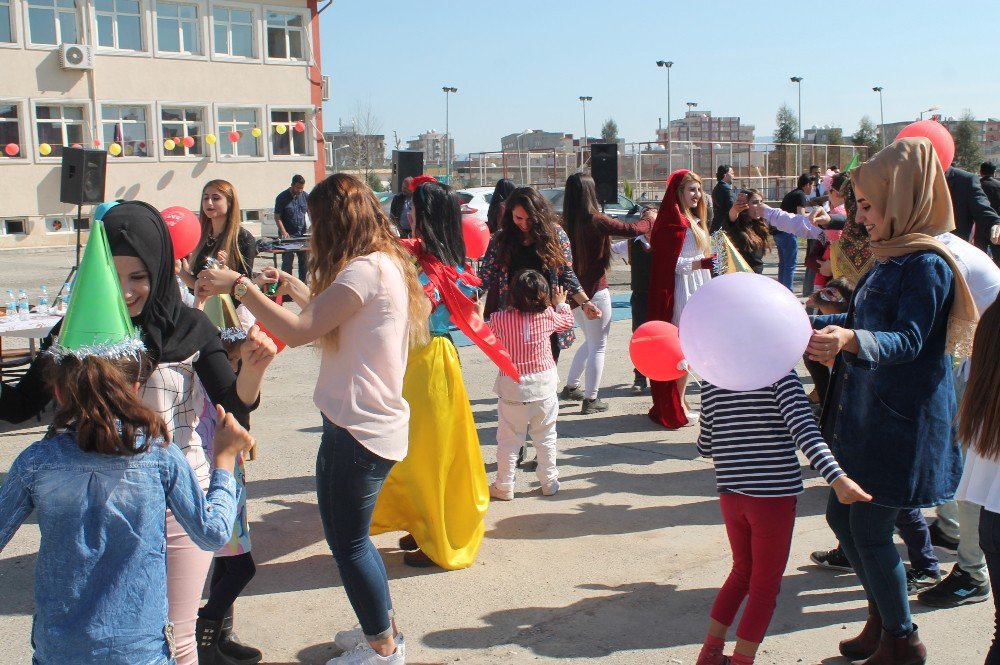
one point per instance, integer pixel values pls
(865, 532)
(917, 538)
(348, 480)
(286, 264)
(989, 540)
(788, 253)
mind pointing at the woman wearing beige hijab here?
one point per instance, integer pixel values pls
(889, 411)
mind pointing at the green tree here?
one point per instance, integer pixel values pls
(834, 136)
(609, 131)
(968, 150)
(867, 135)
(786, 130)
(374, 181)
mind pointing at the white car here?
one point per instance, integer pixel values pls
(476, 202)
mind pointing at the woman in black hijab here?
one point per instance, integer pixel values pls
(190, 364)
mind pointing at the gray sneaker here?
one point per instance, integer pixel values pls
(572, 394)
(593, 406)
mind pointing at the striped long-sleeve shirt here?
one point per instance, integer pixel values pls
(751, 437)
(526, 335)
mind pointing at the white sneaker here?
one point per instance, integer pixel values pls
(347, 640)
(363, 654)
(500, 494)
(550, 488)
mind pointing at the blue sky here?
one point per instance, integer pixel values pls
(522, 64)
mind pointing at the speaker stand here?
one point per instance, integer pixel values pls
(79, 247)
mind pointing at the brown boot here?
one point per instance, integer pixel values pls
(907, 650)
(865, 644)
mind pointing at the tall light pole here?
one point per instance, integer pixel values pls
(928, 110)
(691, 105)
(447, 134)
(797, 80)
(881, 113)
(670, 147)
(586, 141)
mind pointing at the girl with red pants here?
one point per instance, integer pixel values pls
(751, 437)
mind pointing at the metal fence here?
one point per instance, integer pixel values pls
(643, 168)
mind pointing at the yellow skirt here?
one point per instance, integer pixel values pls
(439, 493)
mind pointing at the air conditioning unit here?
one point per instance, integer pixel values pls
(76, 56)
(326, 88)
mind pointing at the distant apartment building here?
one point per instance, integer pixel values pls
(177, 92)
(538, 139)
(703, 126)
(823, 135)
(435, 146)
(349, 149)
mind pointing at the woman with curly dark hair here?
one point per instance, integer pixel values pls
(749, 233)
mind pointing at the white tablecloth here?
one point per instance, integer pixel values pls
(36, 326)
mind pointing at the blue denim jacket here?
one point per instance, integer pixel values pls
(101, 577)
(889, 415)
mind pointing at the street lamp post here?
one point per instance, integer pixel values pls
(691, 105)
(881, 113)
(928, 110)
(447, 134)
(334, 151)
(586, 141)
(670, 148)
(798, 156)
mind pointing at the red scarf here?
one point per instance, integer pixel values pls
(666, 241)
(464, 311)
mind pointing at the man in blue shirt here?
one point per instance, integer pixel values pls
(290, 211)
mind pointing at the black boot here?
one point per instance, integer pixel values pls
(207, 633)
(866, 643)
(229, 645)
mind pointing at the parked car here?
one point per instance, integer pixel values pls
(476, 202)
(625, 209)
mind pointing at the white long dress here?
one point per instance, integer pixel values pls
(687, 279)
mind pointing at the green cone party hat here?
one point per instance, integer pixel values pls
(97, 322)
(221, 311)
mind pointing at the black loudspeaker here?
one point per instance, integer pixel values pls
(83, 173)
(604, 169)
(406, 164)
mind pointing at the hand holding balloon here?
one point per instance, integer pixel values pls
(825, 344)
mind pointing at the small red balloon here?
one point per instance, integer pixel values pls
(299, 126)
(937, 134)
(477, 237)
(655, 350)
(11, 149)
(188, 142)
(184, 228)
(234, 136)
(97, 143)
(76, 145)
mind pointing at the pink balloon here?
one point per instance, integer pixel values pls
(184, 228)
(743, 331)
(188, 142)
(11, 149)
(939, 136)
(234, 136)
(477, 237)
(299, 126)
(655, 350)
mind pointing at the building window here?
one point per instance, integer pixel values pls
(177, 123)
(15, 227)
(242, 121)
(10, 129)
(126, 126)
(59, 125)
(6, 26)
(233, 32)
(52, 22)
(285, 36)
(291, 143)
(119, 24)
(177, 28)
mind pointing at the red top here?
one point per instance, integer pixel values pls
(526, 335)
(594, 277)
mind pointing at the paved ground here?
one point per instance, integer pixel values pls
(620, 567)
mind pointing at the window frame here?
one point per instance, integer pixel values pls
(144, 52)
(152, 151)
(307, 53)
(255, 23)
(81, 28)
(310, 136)
(263, 152)
(16, 36)
(27, 152)
(203, 23)
(24, 221)
(88, 116)
(207, 122)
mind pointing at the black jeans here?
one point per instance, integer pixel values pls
(230, 575)
(989, 541)
(639, 302)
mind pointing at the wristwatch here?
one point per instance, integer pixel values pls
(240, 287)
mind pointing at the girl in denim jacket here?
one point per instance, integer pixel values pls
(101, 483)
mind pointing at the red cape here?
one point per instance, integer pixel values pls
(464, 311)
(666, 241)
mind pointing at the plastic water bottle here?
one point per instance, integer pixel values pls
(23, 308)
(11, 306)
(66, 289)
(43, 301)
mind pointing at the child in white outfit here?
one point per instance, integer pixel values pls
(531, 406)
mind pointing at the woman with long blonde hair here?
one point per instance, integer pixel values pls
(366, 309)
(223, 237)
(681, 263)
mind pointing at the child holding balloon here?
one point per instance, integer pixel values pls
(752, 437)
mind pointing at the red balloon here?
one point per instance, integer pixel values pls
(299, 126)
(184, 228)
(76, 145)
(11, 149)
(234, 136)
(939, 136)
(97, 143)
(656, 351)
(188, 141)
(477, 237)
